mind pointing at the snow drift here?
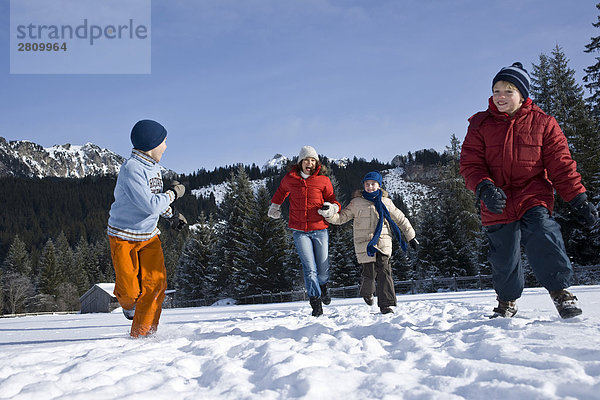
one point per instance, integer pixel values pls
(435, 346)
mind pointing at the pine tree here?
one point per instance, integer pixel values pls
(574, 117)
(456, 247)
(275, 270)
(196, 276)
(463, 222)
(449, 224)
(592, 77)
(344, 267)
(569, 107)
(554, 85)
(401, 263)
(17, 260)
(172, 243)
(540, 89)
(84, 275)
(430, 238)
(16, 287)
(64, 255)
(238, 242)
(50, 275)
(103, 259)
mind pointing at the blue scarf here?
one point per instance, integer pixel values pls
(383, 212)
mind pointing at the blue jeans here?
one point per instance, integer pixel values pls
(540, 236)
(313, 250)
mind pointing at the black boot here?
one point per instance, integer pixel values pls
(317, 308)
(566, 303)
(506, 309)
(324, 295)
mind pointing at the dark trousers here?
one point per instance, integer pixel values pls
(540, 236)
(379, 271)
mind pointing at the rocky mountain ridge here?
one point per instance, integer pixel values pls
(27, 159)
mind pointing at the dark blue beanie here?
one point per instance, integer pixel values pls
(147, 134)
(373, 176)
(517, 75)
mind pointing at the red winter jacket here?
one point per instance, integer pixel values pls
(525, 155)
(306, 197)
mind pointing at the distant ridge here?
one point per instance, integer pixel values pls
(23, 158)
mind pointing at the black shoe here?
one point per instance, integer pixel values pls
(129, 313)
(368, 300)
(386, 310)
(316, 304)
(566, 303)
(324, 295)
(506, 309)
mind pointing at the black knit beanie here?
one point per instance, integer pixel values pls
(147, 134)
(517, 75)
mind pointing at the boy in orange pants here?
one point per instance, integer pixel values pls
(136, 251)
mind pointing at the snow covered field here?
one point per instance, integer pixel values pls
(435, 346)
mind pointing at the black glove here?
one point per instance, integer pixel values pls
(414, 244)
(492, 196)
(586, 210)
(177, 188)
(177, 221)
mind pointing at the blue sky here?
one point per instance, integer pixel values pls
(241, 80)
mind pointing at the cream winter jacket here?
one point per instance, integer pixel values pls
(365, 220)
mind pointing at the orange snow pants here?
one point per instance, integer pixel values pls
(140, 281)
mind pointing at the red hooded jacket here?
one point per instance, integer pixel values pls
(525, 155)
(306, 197)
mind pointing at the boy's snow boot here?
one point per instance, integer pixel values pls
(386, 310)
(324, 295)
(317, 308)
(506, 309)
(566, 303)
(368, 300)
(129, 313)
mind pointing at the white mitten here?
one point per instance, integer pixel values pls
(328, 210)
(274, 211)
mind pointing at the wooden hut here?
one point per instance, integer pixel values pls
(99, 299)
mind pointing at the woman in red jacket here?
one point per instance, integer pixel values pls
(309, 190)
(514, 156)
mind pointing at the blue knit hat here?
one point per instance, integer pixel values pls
(373, 176)
(147, 134)
(517, 75)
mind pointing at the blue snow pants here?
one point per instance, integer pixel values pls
(542, 240)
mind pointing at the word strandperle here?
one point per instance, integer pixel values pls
(84, 31)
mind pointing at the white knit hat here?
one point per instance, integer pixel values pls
(306, 152)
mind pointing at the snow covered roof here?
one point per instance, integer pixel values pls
(107, 287)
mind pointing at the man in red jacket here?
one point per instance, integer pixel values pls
(309, 190)
(514, 156)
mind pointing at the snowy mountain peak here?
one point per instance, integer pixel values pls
(340, 162)
(278, 162)
(28, 159)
